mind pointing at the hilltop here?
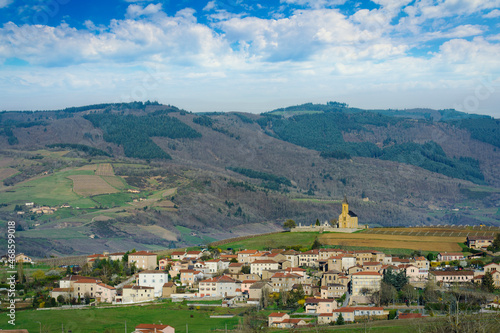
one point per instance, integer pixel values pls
(154, 176)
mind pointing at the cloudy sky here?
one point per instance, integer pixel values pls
(251, 55)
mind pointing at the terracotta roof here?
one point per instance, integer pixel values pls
(178, 253)
(277, 314)
(236, 264)
(451, 254)
(409, 315)
(223, 278)
(86, 281)
(249, 281)
(96, 256)
(169, 284)
(248, 252)
(142, 253)
(152, 272)
(267, 261)
(286, 276)
(106, 286)
(152, 326)
(136, 287)
(367, 273)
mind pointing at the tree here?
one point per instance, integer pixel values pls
(487, 283)
(60, 299)
(289, 224)
(387, 293)
(409, 293)
(316, 244)
(245, 269)
(495, 246)
(431, 256)
(38, 275)
(340, 320)
(317, 222)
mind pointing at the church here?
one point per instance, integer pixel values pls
(347, 219)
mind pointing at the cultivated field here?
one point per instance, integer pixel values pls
(86, 185)
(115, 181)
(442, 231)
(7, 172)
(88, 167)
(105, 169)
(422, 243)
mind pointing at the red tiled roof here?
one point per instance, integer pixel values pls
(409, 315)
(142, 253)
(152, 326)
(86, 281)
(106, 286)
(264, 262)
(277, 314)
(367, 273)
(248, 252)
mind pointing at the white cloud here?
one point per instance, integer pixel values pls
(134, 11)
(314, 3)
(5, 3)
(210, 5)
(493, 14)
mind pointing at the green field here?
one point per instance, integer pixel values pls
(186, 236)
(281, 240)
(114, 319)
(52, 190)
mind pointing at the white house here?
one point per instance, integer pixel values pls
(155, 279)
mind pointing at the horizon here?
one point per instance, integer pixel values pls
(248, 56)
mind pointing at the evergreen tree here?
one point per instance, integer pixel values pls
(487, 284)
(340, 320)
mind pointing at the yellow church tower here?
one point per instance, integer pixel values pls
(347, 219)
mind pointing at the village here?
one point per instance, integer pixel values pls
(316, 286)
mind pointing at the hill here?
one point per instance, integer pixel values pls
(151, 176)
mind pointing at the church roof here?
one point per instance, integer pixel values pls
(351, 214)
(345, 200)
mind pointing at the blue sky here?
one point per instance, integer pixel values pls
(253, 56)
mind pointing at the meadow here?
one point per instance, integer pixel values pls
(114, 319)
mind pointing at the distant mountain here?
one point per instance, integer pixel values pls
(208, 176)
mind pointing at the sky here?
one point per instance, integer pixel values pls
(251, 55)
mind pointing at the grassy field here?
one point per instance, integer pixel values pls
(186, 235)
(281, 240)
(100, 320)
(52, 190)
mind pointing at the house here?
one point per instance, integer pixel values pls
(258, 289)
(452, 276)
(413, 273)
(362, 282)
(320, 305)
(117, 256)
(372, 266)
(258, 266)
(132, 294)
(285, 281)
(422, 263)
(190, 277)
(68, 281)
(168, 289)
(450, 256)
(177, 255)
(85, 287)
(155, 279)
(479, 242)
(327, 318)
(216, 265)
(283, 320)
(235, 267)
(341, 262)
(193, 255)
(153, 328)
(334, 290)
(292, 257)
(21, 257)
(162, 264)
(491, 267)
(143, 260)
(246, 284)
(96, 256)
(309, 258)
(220, 286)
(244, 256)
(105, 293)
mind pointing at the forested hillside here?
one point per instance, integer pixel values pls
(159, 176)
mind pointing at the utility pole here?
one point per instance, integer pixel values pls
(125, 326)
(187, 328)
